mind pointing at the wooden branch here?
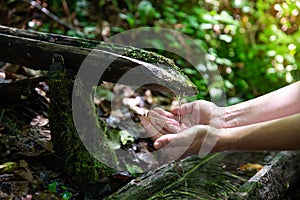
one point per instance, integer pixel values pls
(35, 50)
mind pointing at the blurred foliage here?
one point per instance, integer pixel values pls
(254, 44)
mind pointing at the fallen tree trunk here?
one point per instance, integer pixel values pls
(217, 176)
(35, 50)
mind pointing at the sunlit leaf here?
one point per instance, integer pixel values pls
(250, 168)
(8, 167)
(134, 169)
(125, 137)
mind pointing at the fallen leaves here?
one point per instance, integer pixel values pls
(39, 121)
(16, 178)
(250, 168)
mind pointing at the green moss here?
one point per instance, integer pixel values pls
(87, 168)
(76, 160)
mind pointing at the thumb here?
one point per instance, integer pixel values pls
(175, 145)
(163, 141)
(182, 139)
(184, 109)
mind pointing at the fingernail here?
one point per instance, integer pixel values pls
(158, 145)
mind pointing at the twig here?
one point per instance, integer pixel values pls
(51, 15)
(66, 7)
(2, 113)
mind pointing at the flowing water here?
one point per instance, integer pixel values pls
(179, 99)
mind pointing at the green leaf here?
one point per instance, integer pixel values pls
(8, 167)
(103, 93)
(145, 7)
(126, 137)
(224, 61)
(226, 18)
(66, 195)
(234, 100)
(193, 22)
(291, 59)
(208, 18)
(52, 187)
(206, 26)
(129, 17)
(228, 84)
(114, 139)
(133, 169)
(117, 29)
(190, 71)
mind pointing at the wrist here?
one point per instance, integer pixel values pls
(230, 118)
(228, 140)
(236, 115)
(218, 118)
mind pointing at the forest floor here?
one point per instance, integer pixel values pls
(27, 158)
(27, 169)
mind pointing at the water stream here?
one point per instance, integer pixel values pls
(179, 99)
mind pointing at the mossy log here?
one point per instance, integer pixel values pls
(191, 178)
(35, 50)
(75, 159)
(272, 181)
(217, 176)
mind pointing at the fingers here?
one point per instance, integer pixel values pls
(175, 146)
(163, 121)
(152, 133)
(182, 139)
(184, 109)
(186, 143)
(160, 113)
(162, 141)
(163, 112)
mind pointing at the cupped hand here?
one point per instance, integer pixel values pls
(190, 129)
(196, 140)
(199, 112)
(168, 123)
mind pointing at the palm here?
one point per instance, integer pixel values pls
(184, 117)
(172, 124)
(185, 122)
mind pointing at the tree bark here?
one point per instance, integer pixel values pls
(35, 50)
(75, 159)
(217, 177)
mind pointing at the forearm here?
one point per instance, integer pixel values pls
(279, 134)
(274, 105)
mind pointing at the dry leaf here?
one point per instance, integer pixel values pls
(250, 168)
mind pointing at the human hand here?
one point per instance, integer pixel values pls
(199, 112)
(196, 140)
(166, 122)
(182, 131)
(184, 117)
